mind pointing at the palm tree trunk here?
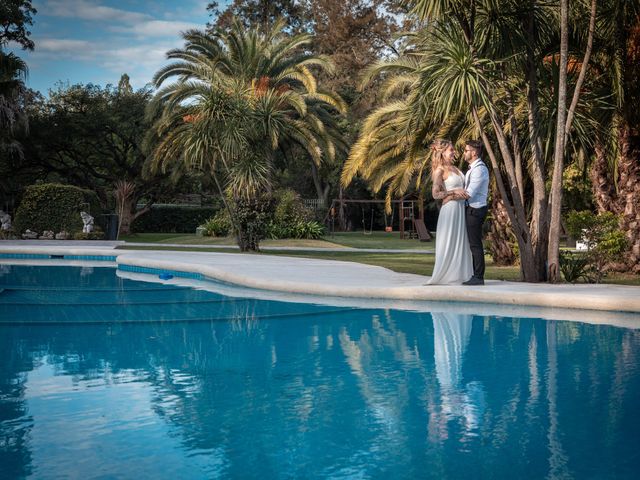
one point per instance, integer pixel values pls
(628, 198)
(602, 186)
(500, 235)
(553, 270)
(539, 225)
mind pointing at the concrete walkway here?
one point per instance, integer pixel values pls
(346, 279)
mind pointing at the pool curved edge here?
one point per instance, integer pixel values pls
(347, 279)
(591, 297)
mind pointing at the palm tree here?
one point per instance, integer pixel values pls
(13, 118)
(13, 71)
(240, 95)
(483, 68)
(615, 171)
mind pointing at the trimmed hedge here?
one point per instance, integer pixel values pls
(172, 219)
(55, 207)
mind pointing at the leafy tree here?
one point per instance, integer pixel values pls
(15, 16)
(256, 13)
(239, 96)
(92, 137)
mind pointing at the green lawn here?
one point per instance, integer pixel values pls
(192, 239)
(342, 239)
(389, 240)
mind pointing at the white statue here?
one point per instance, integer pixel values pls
(5, 218)
(87, 220)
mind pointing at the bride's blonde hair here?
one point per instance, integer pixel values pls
(437, 153)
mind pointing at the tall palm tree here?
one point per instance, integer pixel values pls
(13, 72)
(238, 95)
(615, 171)
(13, 119)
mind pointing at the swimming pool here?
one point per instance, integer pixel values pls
(103, 376)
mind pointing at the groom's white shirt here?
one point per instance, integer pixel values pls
(476, 182)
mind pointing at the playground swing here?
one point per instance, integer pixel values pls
(364, 225)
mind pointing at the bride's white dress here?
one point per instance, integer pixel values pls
(454, 263)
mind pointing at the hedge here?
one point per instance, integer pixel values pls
(55, 207)
(172, 219)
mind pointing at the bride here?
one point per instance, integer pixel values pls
(454, 263)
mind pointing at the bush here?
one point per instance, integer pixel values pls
(575, 266)
(55, 207)
(307, 229)
(217, 226)
(604, 239)
(252, 220)
(97, 234)
(291, 219)
(172, 219)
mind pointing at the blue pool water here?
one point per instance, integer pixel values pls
(103, 377)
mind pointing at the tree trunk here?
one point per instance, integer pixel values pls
(322, 191)
(501, 237)
(539, 225)
(127, 215)
(627, 203)
(553, 269)
(602, 186)
(529, 269)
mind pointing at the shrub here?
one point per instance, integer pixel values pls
(604, 239)
(307, 229)
(172, 219)
(55, 207)
(289, 208)
(291, 219)
(97, 234)
(217, 226)
(252, 220)
(575, 266)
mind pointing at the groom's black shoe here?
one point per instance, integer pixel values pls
(474, 281)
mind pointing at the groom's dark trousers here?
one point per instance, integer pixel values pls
(475, 219)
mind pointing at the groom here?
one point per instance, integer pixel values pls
(476, 183)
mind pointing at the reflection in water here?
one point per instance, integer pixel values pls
(318, 394)
(451, 335)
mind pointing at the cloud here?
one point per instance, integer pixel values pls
(139, 61)
(105, 38)
(158, 28)
(86, 10)
(54, 45)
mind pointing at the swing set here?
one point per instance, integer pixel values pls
(409, 225)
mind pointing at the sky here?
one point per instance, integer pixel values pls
(96, 41)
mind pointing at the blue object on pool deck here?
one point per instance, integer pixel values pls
(106, 377)
(165, 276)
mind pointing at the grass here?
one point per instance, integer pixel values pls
(190, 239)
(382, 240)
(389, 240)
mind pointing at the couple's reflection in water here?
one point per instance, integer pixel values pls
(459, 399)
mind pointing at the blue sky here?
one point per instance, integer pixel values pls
(96, 41)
